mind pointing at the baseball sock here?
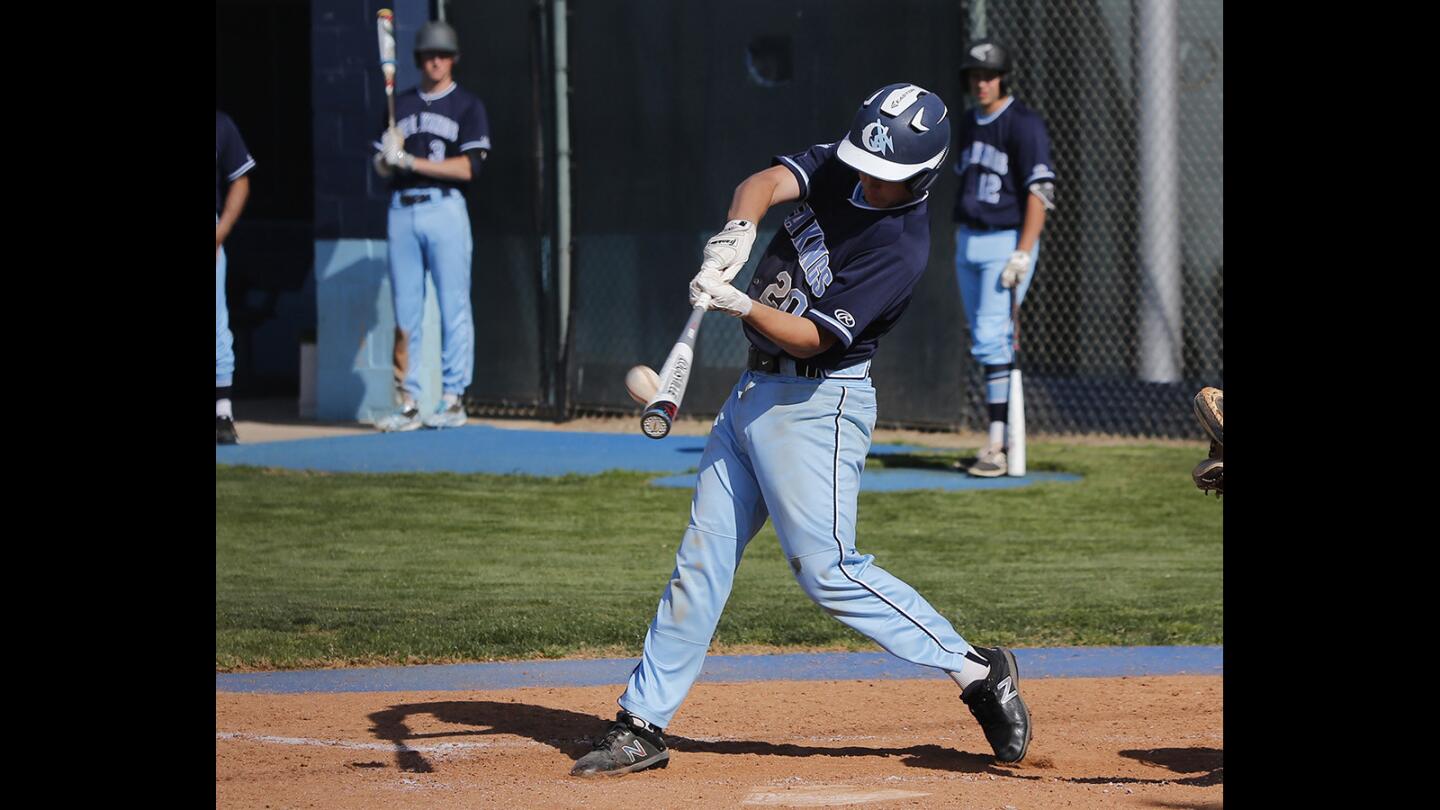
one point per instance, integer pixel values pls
(970, 670)
(997, 397)
(451, 399)
(997, 427)
(222, 402)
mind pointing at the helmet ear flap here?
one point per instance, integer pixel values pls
(921, 183)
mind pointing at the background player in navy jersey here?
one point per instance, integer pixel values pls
(232, 163)
(1007, 183)
(440, 139)
(791, 439)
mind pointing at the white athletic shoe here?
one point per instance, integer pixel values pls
(451, 417)
(406, 419)
(991, 464)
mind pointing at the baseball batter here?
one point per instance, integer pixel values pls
(791, 439)
(1007, 183)
(440, 139)
(232, 164)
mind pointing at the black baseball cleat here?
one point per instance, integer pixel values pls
(996, 703)
(630, 745)
(225, 430)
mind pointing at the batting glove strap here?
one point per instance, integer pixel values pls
(1015, 269)
(400, 159)
(727, 251)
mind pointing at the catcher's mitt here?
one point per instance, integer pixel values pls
(1209, 474)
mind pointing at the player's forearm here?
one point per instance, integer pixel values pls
(453, 168)
(757, 193)
(1034, 222)
(234, 203)
(799, 337)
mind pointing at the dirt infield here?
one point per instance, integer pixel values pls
(1099, 742)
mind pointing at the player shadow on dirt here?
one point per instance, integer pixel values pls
(1208, 762)
(573, 734)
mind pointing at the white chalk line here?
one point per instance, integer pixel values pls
(828, 796)
(443, 748)
(437, 748)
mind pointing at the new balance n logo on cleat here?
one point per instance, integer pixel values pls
(1005, 690)
(630, 745)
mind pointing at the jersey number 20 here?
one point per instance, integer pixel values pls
(783, 297)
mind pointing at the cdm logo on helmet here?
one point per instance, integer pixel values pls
(900, 134)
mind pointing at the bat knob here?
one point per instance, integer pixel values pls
(655, 425)
(657, 419)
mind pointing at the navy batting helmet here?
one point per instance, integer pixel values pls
(901, 133)
(985, 54)
(436, 36)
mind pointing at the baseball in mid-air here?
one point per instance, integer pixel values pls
(642, 382)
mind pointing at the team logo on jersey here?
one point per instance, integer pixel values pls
(876, 138)
(844, 317)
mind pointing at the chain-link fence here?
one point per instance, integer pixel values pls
(1124, 319)
(671, 105)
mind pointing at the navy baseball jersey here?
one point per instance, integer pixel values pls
(435, 127)
(842, 263)
(998, 157)
(232, 159)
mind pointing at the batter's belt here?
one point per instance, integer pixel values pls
(787, 365)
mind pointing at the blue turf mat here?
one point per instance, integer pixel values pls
(474, 449)
(486, 449)
(1039, 662)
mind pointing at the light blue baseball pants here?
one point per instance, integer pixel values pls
(980, 256)
(433, 235)
(791, 449)
(224, 341)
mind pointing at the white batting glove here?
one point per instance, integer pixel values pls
(400, 159)
(725, 298)
(700, 281)
(392, 140)
(728, 250)
(381, 167)
(1015, 269)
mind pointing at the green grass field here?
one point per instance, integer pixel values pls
(315, 569)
